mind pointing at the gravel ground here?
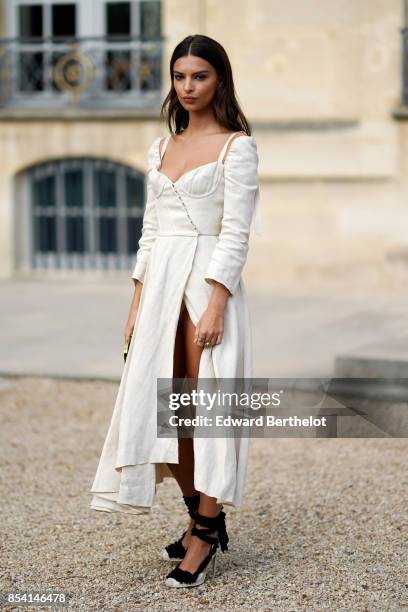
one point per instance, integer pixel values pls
(323, 527)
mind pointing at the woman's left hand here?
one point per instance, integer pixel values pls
(210, 328)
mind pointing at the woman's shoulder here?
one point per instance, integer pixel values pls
(156, 142)
(241, 137)
(242, 148)
(153, 154)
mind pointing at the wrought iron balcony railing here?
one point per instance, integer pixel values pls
(105, 72)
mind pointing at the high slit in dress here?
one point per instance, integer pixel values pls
(195, 230)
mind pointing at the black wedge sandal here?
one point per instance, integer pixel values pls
(176, 550)
(182, 578)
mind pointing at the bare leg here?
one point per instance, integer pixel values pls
(184, 470)
(197, 549)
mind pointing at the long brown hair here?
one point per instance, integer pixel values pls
(226, 108)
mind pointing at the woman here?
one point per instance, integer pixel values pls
(189, 316)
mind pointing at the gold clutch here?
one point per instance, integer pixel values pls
(126, 348)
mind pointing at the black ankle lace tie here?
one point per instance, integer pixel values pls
(215, 523)
(192, 502)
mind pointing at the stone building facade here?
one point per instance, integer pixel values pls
(322, 84)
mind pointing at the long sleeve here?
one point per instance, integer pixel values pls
(150, 223)
(241, 198)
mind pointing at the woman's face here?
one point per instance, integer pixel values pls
(195, 77)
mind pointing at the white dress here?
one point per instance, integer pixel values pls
(194, 229)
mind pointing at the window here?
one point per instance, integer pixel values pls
(141, 17)
(105, 53)
(84, 213)
(124, 21)
(30, 21)
(118, 18)
(63, 20)
(35, 24)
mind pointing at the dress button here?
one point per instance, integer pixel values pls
(185, 208)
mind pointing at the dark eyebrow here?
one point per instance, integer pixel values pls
(198, 72)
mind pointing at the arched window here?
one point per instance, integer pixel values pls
(82, 214)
